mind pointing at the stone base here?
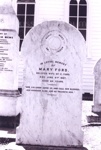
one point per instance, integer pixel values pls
(9, 121)
(5, 141)
(94, 119)
(96, 109)
(8, 99)
(26, 147)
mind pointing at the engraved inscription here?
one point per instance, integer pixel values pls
(5, 41)
(53, 75)
(51, 90)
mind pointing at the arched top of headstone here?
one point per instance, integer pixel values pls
(6, 7)
(52, 38)
(97, 68)
(8, 18)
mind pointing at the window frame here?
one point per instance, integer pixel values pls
(25, 26)
(78, 17)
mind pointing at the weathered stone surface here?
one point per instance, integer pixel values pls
(8, 18)
(9, 59)
(95, 118)
(9, 56)
(97, 88)
(51, 103)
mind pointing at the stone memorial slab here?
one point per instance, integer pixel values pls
(8, 19)
(51, 102)
(9, 48)
(9, 59)
(95, 117)
(97, 88)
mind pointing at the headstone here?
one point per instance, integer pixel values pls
(9, 56)
(8, 19)
(97, 88)
(51, 102)
(95, 116)
(9, 48)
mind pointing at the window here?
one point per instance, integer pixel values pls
(73, 13)
(25, 14)
(78, 15)
(82, 17)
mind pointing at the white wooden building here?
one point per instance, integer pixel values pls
(83, 14)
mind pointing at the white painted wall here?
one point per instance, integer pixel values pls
(59, 10)
(50, 10)
(93, 43)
